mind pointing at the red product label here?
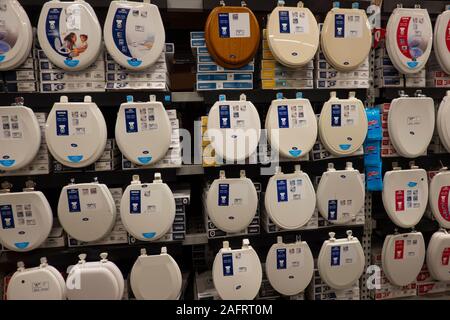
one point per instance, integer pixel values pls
(447, 35)
(445, 256)
(443, 203)
(399, 249)
(402, 36)
(400, 200)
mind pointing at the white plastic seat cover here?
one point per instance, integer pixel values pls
(346, 38)
(290, 199)
(16, 35)
(76, 132)
(143, 131)
(234, 128)
(26, 220)
(69, 34)
(99, 280)
(341, 261)
(289, 267)
(405, 195)
(292, 35)
(340, 194)
(409, 37)
(439, 197)
(147, 210)
(442, 122)
(86, 211)
(402, 257)
(134, 33)
(20, 137)
(411, 123)
(237, 273)
(438, 256)
(441, 40)
(343, 124)
(231, 203)
(156, 277)
(291, 126)
(41, 283)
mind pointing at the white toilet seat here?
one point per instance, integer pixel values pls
(143, 131)
(290, 199)
(76, 132)
(438, 256)
(234, 128)
(147, 210)
(341, 261)
(69, 34)
(441, 40)
(343, 124)
(26, 219)
(442, 122)
(289, 267)
(16, 35)
(232, 202)
(439, 197)
(156, 277)
(237, 273)
(402, 257)
(20, 142)
(134, 33)
(291, 127)
(86, 211)
(405, 195)
(409, 37)
(292, 34)
(340, 194)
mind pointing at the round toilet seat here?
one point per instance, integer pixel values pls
(289, 267)
(290, 199)
(237, 273)
(20, 142)
(143, 131)
(26, 220)
(402, 257)
(86, 211)
(441, 40)
(341, 261)
(69, 33)
(156, 277)
(442, 125)
(17, 35)
(439, 198)
(147, 210)
(291, 127)
(438, 256)
(134, 34)
(292, 35)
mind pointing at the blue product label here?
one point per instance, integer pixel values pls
(73, 198)
(335, 256)
(283, 117)
(2, 57)
(119, 34)
(285, 26)
(224, 194)
(339, 26)
(6, 214)
(224, 25)
(62, 123)
(336, 115)
(332, 209)
(282, 191)
(224, 113)
(135, 201)
(7, 162)
(227, 263)
(131, 122)
(281, 259)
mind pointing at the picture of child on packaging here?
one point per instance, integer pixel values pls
(70, 42)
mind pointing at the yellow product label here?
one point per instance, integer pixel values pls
(204, 120)
(268, 84)
(266, 45)
(267, 74)
(268, 64)
(267, 54)
(264, 34)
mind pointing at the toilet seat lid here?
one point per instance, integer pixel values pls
(402, 257)
(134, 50)
(143, 131)
(438, 256)
(86, 211)
(69, 34)
(26, 220)
(20, 142)
(156, 277)
(439, 198)
(441, 40)
(76, 132)
(289, 267)
(405, 196)
(443, 127)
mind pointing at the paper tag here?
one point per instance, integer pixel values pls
(411, 37)
(6, 214)
(335, 256)
(234, 25)
(227, 264)
(348, 255)
(443, 203)
(399, 249)
(73, 200)
(240, 262)
(11, 128)
(293, 22)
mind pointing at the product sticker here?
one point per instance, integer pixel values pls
(73, 123)
(413, 120)
(332, 209)
(411, 245)
(224, 195)
(412, 199)
(335, 256)
(443, 203)
(148, 120)
(62, 123)
(400, 200)
(238, 195)
(399, 249)
(241, 261)
(291, 116)
(281, 259)
(447, 35)
(11, 127)
(227, 264)
(283, 117)
(336, 115)
(293, 21)
(412, 39)
(445, 256)
(40, 286)
(73, 20)
(234, 25)
(73, 199)
(224, 117)
(151, 201)
(282, 192)
(348, 26)
(6, 214)
(348, 255)
(131, 123)
(295, 257)
(135, 201)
